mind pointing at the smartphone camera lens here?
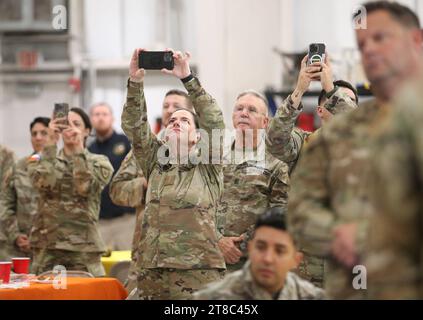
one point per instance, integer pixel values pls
(168, 57)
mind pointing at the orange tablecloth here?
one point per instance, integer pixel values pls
(77, 289)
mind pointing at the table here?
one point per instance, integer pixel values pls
(77, 289)
(115, 257)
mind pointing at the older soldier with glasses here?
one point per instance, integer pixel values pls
(254, 180)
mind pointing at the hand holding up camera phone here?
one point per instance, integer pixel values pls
(307, 74)
(169, 61)
(315, 66)
(319, 65)
(61, 111)
(316, 53)
(315, 59)
(136, 74)
(156, 60)
(58, 123)
(181, 68)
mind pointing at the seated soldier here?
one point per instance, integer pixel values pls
(266, 275)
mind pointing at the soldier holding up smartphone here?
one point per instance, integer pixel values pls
(178, 247)
(65, 230)
(284, 140)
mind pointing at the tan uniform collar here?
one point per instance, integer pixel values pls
(251, 286)
(61, 155)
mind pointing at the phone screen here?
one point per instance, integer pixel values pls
(156, 60)
(61, 110)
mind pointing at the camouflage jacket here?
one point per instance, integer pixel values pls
(18, 202)
(329, 187)
(284, 140)
(250, 188)
(7, 160)
(127, 186)
(69, 205)
(394, 248)
(240, 285)
(127, 189)
(179, 225)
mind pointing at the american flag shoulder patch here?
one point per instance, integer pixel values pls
(34, 158)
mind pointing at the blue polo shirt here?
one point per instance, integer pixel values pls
(115, 148)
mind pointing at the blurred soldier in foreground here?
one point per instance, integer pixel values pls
(394, 250)
(329, 204)
(266, 275)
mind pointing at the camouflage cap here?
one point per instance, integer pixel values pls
(339, 101)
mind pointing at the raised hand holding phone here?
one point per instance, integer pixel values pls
(155, 60)
(136, 74)
(181, 67)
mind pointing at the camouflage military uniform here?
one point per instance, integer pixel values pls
(284, 140)
(250, 188)
(178, 235)
(65, 230)
(240, 285)
(127, 189)
(394, 249)
(7, 160)
(329, 187)
(18, 204)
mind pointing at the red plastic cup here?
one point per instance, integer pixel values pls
(21, 265)
(5, 268)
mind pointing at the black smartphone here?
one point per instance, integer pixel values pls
(156, 60)
(61, 110)
(316, 53)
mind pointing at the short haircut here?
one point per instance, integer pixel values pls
(274, 218)
(255, 94)
(399, 12)
(43, 120)
(181, 93)
(194, 115)
(339, 83)
(97, 104)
